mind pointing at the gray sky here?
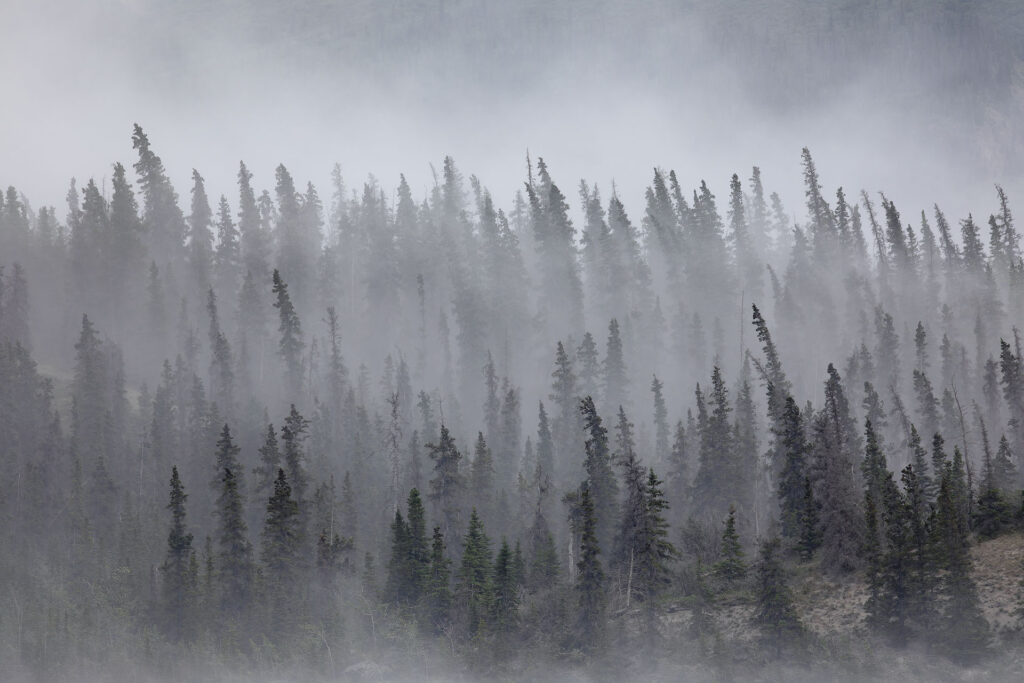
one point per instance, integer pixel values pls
(211, 87)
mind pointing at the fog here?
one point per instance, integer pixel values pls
(601, 92)
(513, 394)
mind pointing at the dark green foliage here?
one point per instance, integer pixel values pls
(775, 614)
(543, 571)
(732, 568)
(963, 630)
(397, 588)
(481, 479)
(992, 514)
(506, 591)
(714, 488)
(293, 437)
(661, 429)
(236, 569)
(88, 589)
(280, 555)
(792, 449)
(1004, 472)
(601, 482)
(447, 485)
(437, 596)
(409, 564)
(589, 577)
(809, 538)
(179, 585)
(834, 444)
(655, 553)
(474, 585)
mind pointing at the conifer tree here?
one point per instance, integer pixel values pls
(792, 449)
(775, 612)
(834, 444)
(236, 569)
(291, 344)
(678, 472)
(165, 223)
(200, 238)
(481, 479)
(616, 381)
(474, 590)
(447, 485)
(717, 474)
(280, 554)
(544, 571)
(437, 590)
(270, 462)
(810, 531)
(506, 591)
(661, 428)
(397, 588)
(178, 584)
(602, 485)
(589, 577)
(655, 551)
(731, 569)
(963, 629)
(293, 437)
(589, 366)
(418, 548)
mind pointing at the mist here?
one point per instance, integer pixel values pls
(602, 92)
(475, 340)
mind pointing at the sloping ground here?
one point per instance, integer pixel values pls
(999, 572)
(841, 648)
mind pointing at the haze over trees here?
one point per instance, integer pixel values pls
(274, 429)
(311, 440)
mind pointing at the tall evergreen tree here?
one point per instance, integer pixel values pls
(603, 489)
(178, 581)
(280, 555)
(775, 612)
(236, 569)
(589, 577)
(291, 344)
(474, 590)
(447, 486)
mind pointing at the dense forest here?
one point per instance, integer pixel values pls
(371, 434)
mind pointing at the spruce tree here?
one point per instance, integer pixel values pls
(447, 487)
(731, 569)
(481, 479)
(775, 613)
(236, 569)
(437, 595)
(506, 591)
(602, 485)
(280, 555)
(661, 426)
(616, 379)
(291, 343)
(655, 552)
(589, 577)
(809, 538)
(270, 462)
(178, 582)
(397, 588)
(792, 450)
(963, 630)
(474, 590)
